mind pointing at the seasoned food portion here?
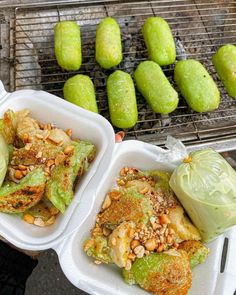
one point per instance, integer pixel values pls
(122, 100)
(196, 251)
(159, 41)
(59, 188)
(67, 45)
(16, 198)
(155, 87)
(224, 61)
(79, 90)
(161, 274)
(140, 229)
(108, 43)
(196, 85)
(42, 164)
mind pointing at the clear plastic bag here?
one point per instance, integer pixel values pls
(205, 184)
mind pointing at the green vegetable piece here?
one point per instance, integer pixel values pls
(196, 85)
(4, 158)
(159, 41)
(59, 188)
(67, 45)
(196, 251)
(205, 184)
(122, 100)
(155, 87)
(225, 64)
(98, 249)
(8, 126)
(16, 198)
(80, 91)
(108, 43)
(161, 273)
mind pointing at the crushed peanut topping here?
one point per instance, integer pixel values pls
(153, 235)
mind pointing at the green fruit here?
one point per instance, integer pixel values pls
(159, 41)
(225, 64)
(80, 91)
(196, 85)
(68, 45)
(108, 43)
(122, 100)
(155, 87)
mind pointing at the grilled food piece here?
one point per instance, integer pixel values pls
(196, 251)
(79, 90)
(155, 87)
(97, 247)
(59, 188)
(122, 100)
(182, 226)
(119, 242)
(25, 156)
(163, 273)
(196, 85)
(159, 41)
(16, 198)
(8, 126)
(67, 43)
(108, 43)
(130, 205)
(224, 61)
(42, 214)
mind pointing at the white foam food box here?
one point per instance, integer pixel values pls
(70, 230)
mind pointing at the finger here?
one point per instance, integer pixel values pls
(119, 136)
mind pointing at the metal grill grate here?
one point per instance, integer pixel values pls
(199, 27)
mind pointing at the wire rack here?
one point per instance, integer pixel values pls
(199, 28)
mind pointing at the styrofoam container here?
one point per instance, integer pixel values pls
(72, 229)
(85, 125)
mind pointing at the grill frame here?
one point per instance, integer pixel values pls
(192, 128)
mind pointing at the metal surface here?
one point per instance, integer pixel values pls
(199, 27)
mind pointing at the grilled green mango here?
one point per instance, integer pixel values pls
(16, 198)
(59, 188)
(8, 126)
(196, 251)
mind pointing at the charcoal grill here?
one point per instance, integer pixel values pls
(199, 28)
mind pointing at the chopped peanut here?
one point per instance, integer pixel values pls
(134, 244)
(18, 174)
(28, 218)
(150, 245)
(106, 203)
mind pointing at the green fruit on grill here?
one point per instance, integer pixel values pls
(155, 87)
(196, 85)
(79, 90)
(67, 44)
(108, 43)
(225, 64)
(159, 41)
(122, 100)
